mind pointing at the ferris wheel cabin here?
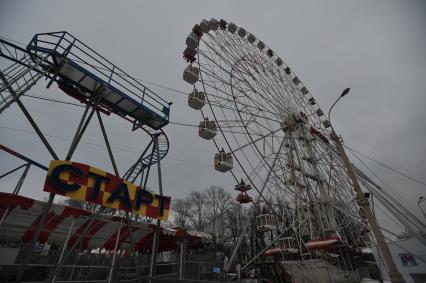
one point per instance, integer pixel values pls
(87, 76)
(192, 40)
(232, 27)
(243, 188)
(196, 99)
(331, 240)
(207, 129)
(265, 222)
(191, 74)
(286, 245)
(223, 161)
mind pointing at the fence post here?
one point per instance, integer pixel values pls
(65, 245)
(111, 271)
(182, 257)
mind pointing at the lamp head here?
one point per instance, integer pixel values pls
(345, 92)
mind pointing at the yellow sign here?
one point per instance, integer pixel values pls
(83, 182)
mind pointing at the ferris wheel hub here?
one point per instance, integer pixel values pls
(293, 119)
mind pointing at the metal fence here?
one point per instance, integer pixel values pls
(84, 266)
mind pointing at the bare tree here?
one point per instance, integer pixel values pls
(217, 201)
(182, 209)
(197, 201)
(89, 206)
(214, 211)
(80, 204)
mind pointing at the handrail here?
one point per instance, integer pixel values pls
(63, 44)
(75, 40)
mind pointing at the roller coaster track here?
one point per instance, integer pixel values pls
(21, 69)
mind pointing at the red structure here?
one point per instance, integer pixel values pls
(18, 211)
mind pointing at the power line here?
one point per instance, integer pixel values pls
(381, 180)
(54, 100)
(14, 41)
(196, 126)
(81, 106)
(387, 166)
(100, 145)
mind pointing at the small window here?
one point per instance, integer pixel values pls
(287, 70)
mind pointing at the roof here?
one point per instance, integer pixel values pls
(23, 215)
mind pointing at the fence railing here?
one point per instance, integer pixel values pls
(64, 45)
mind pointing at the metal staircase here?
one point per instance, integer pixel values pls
(149, 158)
(20, 76)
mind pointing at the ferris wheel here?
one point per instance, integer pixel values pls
(272, 136)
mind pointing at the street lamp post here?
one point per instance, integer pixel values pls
(421, 199)
(363, 203)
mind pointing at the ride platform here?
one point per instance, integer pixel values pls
(87, 76)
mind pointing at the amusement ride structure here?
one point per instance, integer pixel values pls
(308, 204)
(104, 89)
(274, 139)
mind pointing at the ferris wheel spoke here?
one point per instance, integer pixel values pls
(258, 108)
(214, 61)
(267, 85)
(285, 86)
(238, 144)
(235, 123)
(245, 112)
(217, 104)
(276, 175)
(237, 58)
(264, 79)
(277, 106)
(245, 157)
(210, 73)
(254, 141)
(270, 95)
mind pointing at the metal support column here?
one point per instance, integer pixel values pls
(64, 247)
(76, 243)
(114, 165)
(13, 170)
(21, 180)
(37, 129)
(182, 257)
(77, 132)
(111, 270)
(17, 188)
(81, 129)
(394, 274)
(153, 263)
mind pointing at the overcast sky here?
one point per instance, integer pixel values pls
(377, 48)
